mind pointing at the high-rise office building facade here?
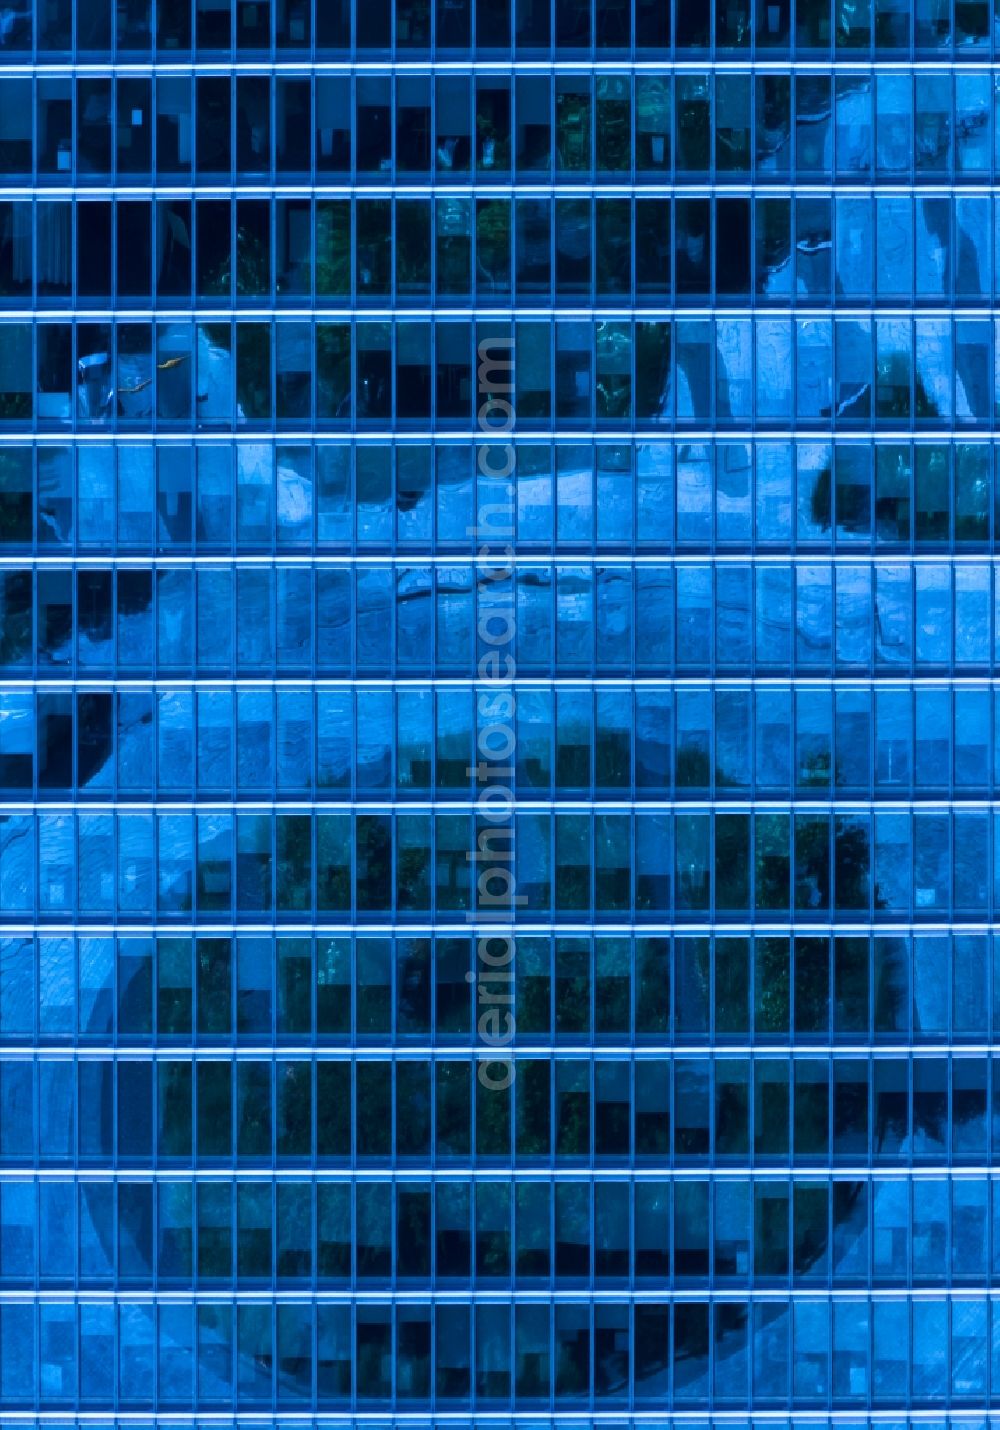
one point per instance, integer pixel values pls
(498, 861)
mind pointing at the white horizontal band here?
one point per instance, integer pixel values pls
(565, 185)
(472, 928)
(403, 1053)
(575, 1176)
(584, 1295)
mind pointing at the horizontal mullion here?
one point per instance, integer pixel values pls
(402, 1053)
(491, 555)
(573, 1419)
(638, 185)
(936, 804)
(402, 1176)
(984, 434)
(362, 313)
(523, 682)
(474, 927)
(508, 1295)
(818, 64)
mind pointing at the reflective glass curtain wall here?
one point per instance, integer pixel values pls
(743, 255)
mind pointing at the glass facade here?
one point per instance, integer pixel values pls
(499, 747)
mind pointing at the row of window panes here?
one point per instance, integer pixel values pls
(885, 248)
(219, 127)
(408, 988)
(846, 1233)
(573, 1112)
(928, 1352)
(260, 497)
(769, 27)
(885, 1231)
(617, 867)
(653, 619)
(647, 743)
(732, 372)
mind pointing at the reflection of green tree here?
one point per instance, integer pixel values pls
(15, 406)
(413, 986)
(486, 131)
(253, 267)
(374, 1109)
(692, 767)
(614, 136)
(333, 248)
(613, 1004)
(492, 1121)
(971, 19)
(812, 862)
(413, 245)
(811, 1236)
(219, 335)
(821, 503)
(413, 23)
(732, 861)
(373, 862)
(533, 1132)
(732, 150)
(413, 890)
(452, 1108)
(573, 990)
(294, 857)
(772, 980)
(852, 30)
(614, 396)
(777, 237)
(255, 1111)
(694, 132)
(893, 391)
(777, 103)
(454, 262)
(574, 1124)
(694, 984)
(333, 368)
(253, 369)
(652, 985)
(573, 131)
(15, 628)
(413, 1111)
(652, 365)
(890, 1000)
(972, 499)
(493, 243)
(253, 264)
(926, 405)
(533, 994)
(333, 1109)
(853, 860)
(413, 1233)
(614, 237)
(15, 496)
(294, 1131)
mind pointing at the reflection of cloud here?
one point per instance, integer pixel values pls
(295, 500)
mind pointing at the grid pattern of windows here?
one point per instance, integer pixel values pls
(460, 446)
